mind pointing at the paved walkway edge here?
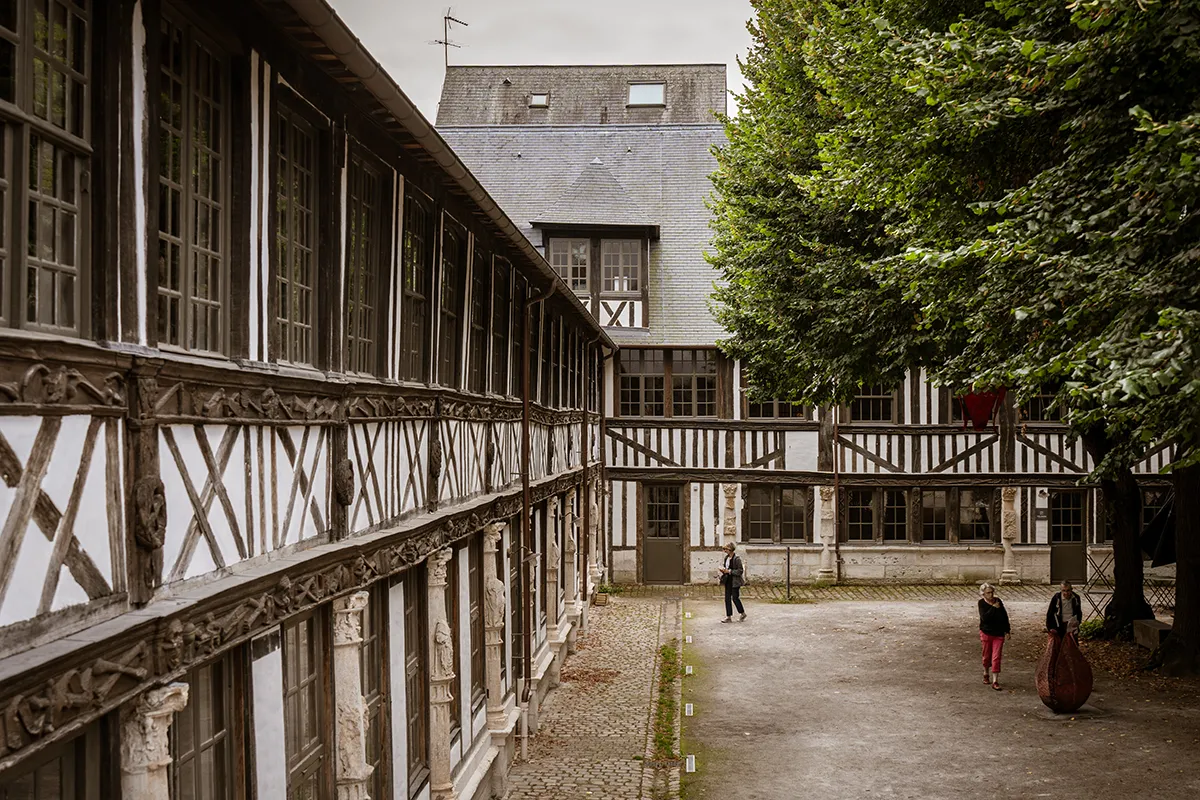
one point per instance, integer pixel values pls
(662, 777)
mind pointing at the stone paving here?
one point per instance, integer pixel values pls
(593, 737)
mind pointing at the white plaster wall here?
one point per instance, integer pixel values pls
(464, 643)
(800, 450)
(624, 566)
(506, 543)
(270, 756)
(399, 694)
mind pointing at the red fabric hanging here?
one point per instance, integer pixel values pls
(978, 407)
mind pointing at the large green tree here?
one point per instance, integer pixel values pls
(1026, 167)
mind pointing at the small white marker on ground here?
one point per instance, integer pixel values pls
(691, 763)
(687, 615)
(687, 709)
(687, 670)
(687, 639)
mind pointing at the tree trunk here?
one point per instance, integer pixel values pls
(1123, 506)
(1181, 650)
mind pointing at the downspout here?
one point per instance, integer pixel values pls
(526, 527)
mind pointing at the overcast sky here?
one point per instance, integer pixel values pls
(398, 32)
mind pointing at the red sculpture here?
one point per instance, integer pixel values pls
(1064, 677)
(978, 407)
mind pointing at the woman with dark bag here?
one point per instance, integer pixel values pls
(993, 630)
(732, 576)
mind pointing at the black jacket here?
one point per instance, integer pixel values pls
(993, 620)
(1056, 619)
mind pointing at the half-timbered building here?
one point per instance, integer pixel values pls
(605, 168)
(299, 435)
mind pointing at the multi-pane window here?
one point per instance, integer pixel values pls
(454, 267)
(760, 513)
(975, 514)
(571, 260)
(777, 514)
(1067, 517)
(1042, 408)
(874, 403)
(773, 409)
(374, 677)
(934, 527)
(481, 269)
(201, 754)
(622, 261)
(45, 77)
(500, 325)
(516, 600)
(518, 352)
(693, 383)
(416, 671)
(304, 707)
(642, 378)
(366, 264)
(664, 511)
(475, 615)
(296, 238)
(193, 185)
(860, 515)
(555, 373)
(417, 267)
(895, 515)
(1153, 501)
(68, 771)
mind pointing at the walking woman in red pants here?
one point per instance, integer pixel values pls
(993, 630)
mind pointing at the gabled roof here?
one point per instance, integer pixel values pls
(595, 198)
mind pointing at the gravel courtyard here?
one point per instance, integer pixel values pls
(886, 699)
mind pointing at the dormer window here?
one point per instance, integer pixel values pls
(648, 94)
(539, 100)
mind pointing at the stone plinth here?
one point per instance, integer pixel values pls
(828, 570)
(493, 623)
(145, 746)
(441, 679)
(353, 771)
(1008, 535)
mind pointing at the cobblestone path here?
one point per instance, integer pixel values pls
(592, 741)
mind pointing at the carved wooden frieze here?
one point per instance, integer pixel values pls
(185, 401)
(43, 387)
(378, 407)
(32, 715)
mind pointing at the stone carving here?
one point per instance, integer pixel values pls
(343, 482)
(826, 502)
(147, 396)
(729, 528)
(189, 400)
(31, 715)
(150, 512)
(1008, 535)
(443, 650)
(494, 603)
(553, 557)
(827, 532)
(374, 407)
(145, 746)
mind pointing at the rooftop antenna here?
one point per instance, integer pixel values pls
(445, 41)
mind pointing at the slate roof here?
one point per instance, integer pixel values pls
(662, 169)
(595, 95)
(595, 198)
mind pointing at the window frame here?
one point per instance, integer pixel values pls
(310, 758)
(416, 301)
(569, 271)
(1084, 509)
(798, 413)
(451, 309)
(478, 322)
(375, 660)
(375, 364)
(416, 677)
(502, 328)
(85, 753)
(292, 104)
(851, 412)
(231, 664)
(535, 103)
(621, 273)
(774, 496)
(477, 651)
(669, 390)
(1040, 409)
(676, 501)
(195, 31)
(631, 103)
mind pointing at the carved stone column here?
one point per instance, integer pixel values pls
(596, 556)
(552, 560)
(1008, 534)
(145, 748)
(441, 679)
(353, 771)
(729, 529)
(493, 623)
(828, 571)
(571, 579)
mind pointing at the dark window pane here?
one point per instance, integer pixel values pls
(933, 515)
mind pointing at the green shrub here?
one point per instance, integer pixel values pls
(1092, 629)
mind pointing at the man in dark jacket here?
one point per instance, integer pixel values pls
(733, 576)
(1065, 611)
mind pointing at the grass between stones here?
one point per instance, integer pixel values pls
(666, 708)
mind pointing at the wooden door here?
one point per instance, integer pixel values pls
(1068, 536)
(662, 534)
